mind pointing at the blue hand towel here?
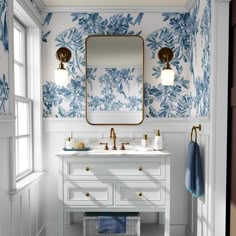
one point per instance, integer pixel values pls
(112, 224)
(193, 176)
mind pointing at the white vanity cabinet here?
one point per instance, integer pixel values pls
(93, 182)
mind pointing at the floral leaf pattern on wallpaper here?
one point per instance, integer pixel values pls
(187, 34)
(176, 36)
(54, 95)
(51, 97)
(201, 100)
(169, 97)
(94, 23)
(194, 24)
(47, 18)
(3, 24)
(181, 36)
(73, 94)
(46, 21)
(205, 33)
(74, 38)
(116, 89)
(4, 93)
(91, 76)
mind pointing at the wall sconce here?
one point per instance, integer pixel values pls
(167, 74)
(61, 75)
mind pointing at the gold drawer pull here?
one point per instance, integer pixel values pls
(140, 168)
(87, 169)
(140, 194)
(87, 194)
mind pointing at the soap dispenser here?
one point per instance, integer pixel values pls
(68, 143)
(144, 141)
(158, 145)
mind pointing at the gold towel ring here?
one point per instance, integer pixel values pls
(194, 128)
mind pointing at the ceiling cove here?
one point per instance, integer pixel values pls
(145, 5)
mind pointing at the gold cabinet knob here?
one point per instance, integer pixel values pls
(87, 194)
(140, 168)
(87, 168)
(140, 194)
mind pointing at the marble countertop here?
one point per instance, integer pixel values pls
(101, 152)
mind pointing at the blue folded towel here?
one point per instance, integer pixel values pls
(112, 224)
(193, 176)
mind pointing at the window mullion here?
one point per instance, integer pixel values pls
(22, 136)
(23, 99)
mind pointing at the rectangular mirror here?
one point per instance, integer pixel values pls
(114, 79)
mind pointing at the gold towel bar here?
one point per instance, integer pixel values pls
(194, 128)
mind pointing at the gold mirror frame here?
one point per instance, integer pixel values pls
(116, 115)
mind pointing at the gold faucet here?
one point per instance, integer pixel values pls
(113, 136)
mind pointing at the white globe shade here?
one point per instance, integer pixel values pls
(61, 77)
(167, 77)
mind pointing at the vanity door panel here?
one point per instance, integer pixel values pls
(140, 193)
(136, 170)
(90, 193)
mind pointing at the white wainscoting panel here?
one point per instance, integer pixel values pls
(28, 210)
(197, 222)
(5, 204)
(176, 136)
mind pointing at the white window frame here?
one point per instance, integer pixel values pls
(32, 21)
(30, 135)
(23, 97)
(18, 25)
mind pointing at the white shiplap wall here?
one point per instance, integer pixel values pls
(28, 210)
(22, 212)
(5, 203)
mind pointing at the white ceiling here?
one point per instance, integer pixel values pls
(117, 3)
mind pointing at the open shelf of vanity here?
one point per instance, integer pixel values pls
(146, 229)
(93, 182)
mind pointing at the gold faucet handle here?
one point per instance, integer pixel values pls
(123, 146)
(106, 146)
(112, 131)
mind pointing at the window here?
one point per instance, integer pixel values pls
(23, 105)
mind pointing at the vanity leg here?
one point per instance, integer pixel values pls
(67, 218)
(60, 197)
(167, 210)
(167, 226)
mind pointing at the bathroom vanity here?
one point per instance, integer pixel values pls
(114, 181)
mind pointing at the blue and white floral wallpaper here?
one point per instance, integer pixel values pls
(114, 88)
(187, 34)
(4, 89)
(199, 58)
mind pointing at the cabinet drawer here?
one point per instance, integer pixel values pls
(91, 194)
(133, 170)
(140, 194)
